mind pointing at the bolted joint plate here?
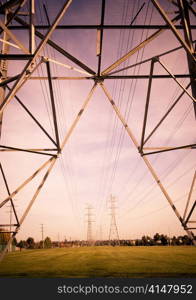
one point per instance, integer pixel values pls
(98, 79)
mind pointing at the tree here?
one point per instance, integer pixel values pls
(174, 241)
(22, 244)
(147, 240)
(144, 241)
(138, 242)
(186, 240)
(179, 240)
(156, 237)
(164, 239)
(150, 241)
(30, 243)
(47, 242)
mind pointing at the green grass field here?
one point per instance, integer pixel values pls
(101, 262)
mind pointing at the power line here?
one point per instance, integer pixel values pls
(153, 186)
(112, 138)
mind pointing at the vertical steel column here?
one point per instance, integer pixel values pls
(147, 104)
(32, 27)
(3, 72)
(100, 38)
(53, 105)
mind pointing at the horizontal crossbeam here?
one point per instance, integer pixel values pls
(95, 27)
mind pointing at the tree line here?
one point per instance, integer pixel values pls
(29, 243)
(161, 239)
(145, 240)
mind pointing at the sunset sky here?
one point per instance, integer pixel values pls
(99, 158)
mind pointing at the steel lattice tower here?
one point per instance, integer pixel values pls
(90, 221)
(113, 233)
(180, 27)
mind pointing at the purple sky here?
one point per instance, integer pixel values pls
(99, 158)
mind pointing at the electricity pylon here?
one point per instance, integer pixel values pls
(113, 233)
(89, 224)
(42, 231)
(32, 56)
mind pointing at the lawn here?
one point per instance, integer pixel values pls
(104, 261)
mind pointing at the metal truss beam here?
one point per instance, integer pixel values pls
(100, 78)
(156, 76)
(189, 196)
(53, 105)
(8, 191)
(191, 146)
(147, 105)
(25, 150)
(190, 213)
(16, 56)
(8, 80)
(32, 26)
(6, 225)
(99, 27)
(138, 12)
(30, 149)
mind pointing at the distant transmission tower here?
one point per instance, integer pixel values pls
(10, 227)
(89, 224)
(42, 231)
(113, 234)
(101, 234)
